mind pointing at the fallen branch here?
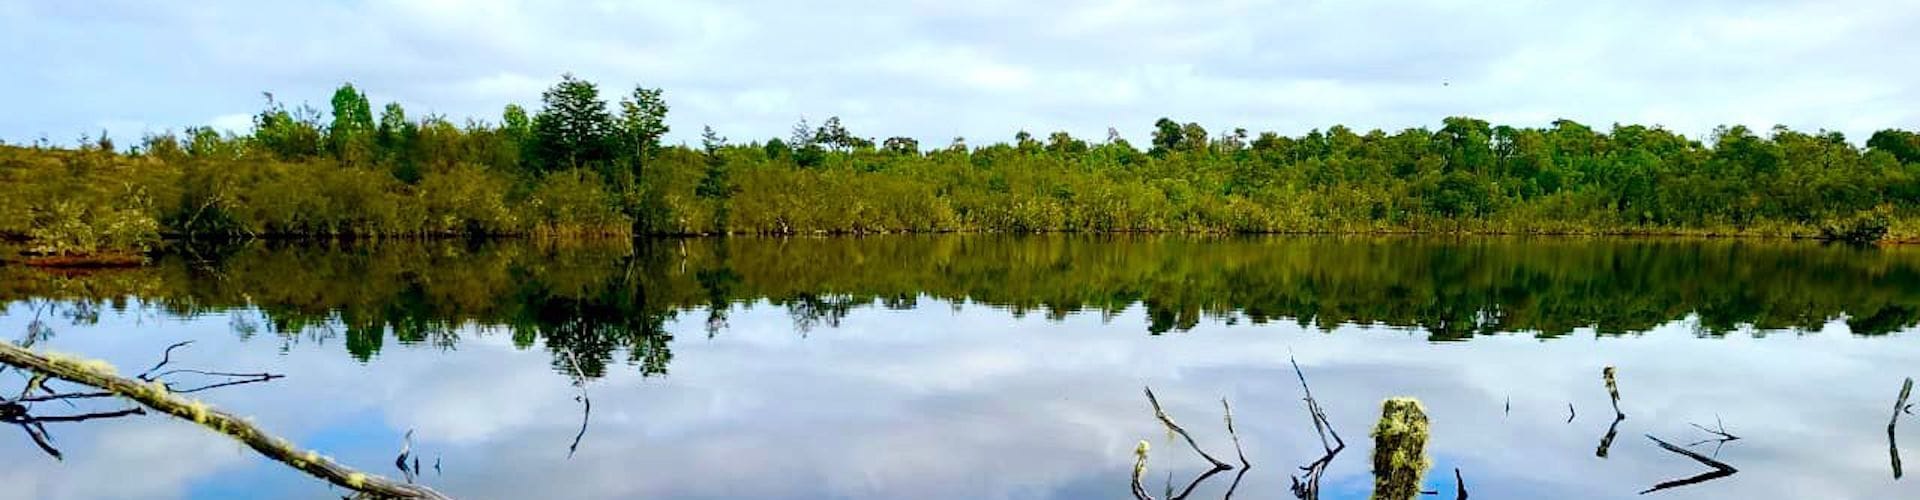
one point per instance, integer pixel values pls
(1899, 406)
(1720, 469)
(156, 396)
(1168, 421)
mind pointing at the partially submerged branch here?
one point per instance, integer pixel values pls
(1307, 485)
(157, 396)
(1720, 469)
(1613, 391)
(586, 404)
(1168, 421)
(1218, 466)
(1899, 406)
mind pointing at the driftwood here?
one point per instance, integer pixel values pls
(1899, 406)
(1720, 469)
(1140, 455)
(1306, 486)
(158, 397)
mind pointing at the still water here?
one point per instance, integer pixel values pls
(988, 366)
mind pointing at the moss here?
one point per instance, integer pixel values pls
(1400, 449)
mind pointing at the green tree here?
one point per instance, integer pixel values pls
(394, 140)
(573, 128)
(350, 137)
(288, 135)
(643, 121)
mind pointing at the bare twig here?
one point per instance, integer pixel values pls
(1720, 469)
(1244, 465)
(406, 448)
(1569, 413)
(586, 408)
(1459, 485)
(165, 357)
(1307, 485)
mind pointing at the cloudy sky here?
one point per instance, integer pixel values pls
(981, 69)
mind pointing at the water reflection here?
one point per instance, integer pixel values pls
(601, 299)
(995, 367)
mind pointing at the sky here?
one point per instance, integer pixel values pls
(981, 69)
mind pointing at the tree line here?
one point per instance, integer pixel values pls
(587, 165)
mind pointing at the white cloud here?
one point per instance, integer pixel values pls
(932, 70)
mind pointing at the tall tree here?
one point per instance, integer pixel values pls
(643, 120)
(350, 137)
(573, 128)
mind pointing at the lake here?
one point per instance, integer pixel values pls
(982, 366)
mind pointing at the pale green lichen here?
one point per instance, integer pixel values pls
(357, 480)
(1400, 449)
(199, 410)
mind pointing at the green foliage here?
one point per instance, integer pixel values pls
(350, 137)
(573, 128)
(419, 177)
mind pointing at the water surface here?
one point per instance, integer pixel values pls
(988, 366)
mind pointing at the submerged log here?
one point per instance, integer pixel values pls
(1400, 449)
(157, 396)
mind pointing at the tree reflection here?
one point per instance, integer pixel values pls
(607, 300)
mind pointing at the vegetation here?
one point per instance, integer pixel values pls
(581, 165)
(612, 301)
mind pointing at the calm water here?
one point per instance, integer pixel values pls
(989, 367)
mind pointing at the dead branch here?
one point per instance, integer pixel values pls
(1459, 485)
(1307, 485)
(1606, 441)
(1244, 464)
(1721, 436)
(586, 408)
(1899, 406)
(1168, 421)
(1720, 469)
(156, 396)
(1613, 391)
(1140, 469)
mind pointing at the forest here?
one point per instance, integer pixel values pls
(589, 165)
